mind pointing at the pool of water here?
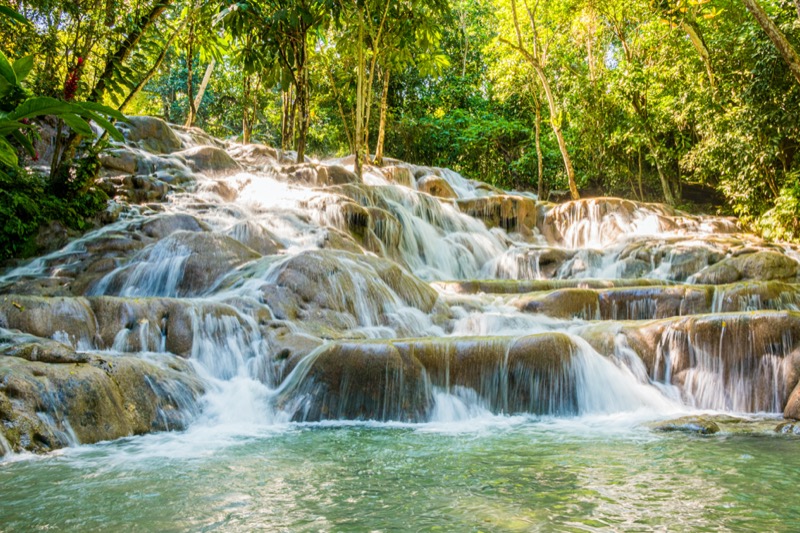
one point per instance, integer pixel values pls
(492, 474)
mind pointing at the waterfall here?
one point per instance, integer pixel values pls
(299, 292)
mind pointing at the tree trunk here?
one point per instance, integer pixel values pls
(190, 75)
(345, 123)
(246, 126)
(382, 121)
(562, 144)
(201, 90)
(539, 158)
(641, 190)
(534, 60)
(302, 123)
(154, 68)
(359, 135)
(784, 47)
(693, 31)
(125, 48)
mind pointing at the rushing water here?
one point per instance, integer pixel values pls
(493, 474)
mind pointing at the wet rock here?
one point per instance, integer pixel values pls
(161, 226)
(120, 159)
(336, 175)
(762, 265)
(209, 160)
(564, 303)
(788, 428)
(362, 381)
(254, 155)
(183, 264)
(150, 133)
(512, 213)
(69, 319)
(48, 406)
(436, 186)
(343, 290)
(688, 424)
(256, 236)
(399, 175)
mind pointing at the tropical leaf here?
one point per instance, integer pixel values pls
(79, 125)
(22, 67)
(8, 156)
(102, 109)
(6, 70)
(39, 106)
(104, 123)
(23, 140)
(13, 15)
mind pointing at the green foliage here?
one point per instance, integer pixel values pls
(27, 202)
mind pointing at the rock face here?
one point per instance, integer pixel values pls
(51, 397)
(152, 134)
(436, 186)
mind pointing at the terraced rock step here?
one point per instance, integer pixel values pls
(740, 362)
(513, 286)
(653, 302)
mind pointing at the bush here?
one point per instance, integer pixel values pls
(26, 203)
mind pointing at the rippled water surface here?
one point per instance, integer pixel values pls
(502, 474)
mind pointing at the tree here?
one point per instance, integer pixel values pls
(536, 55)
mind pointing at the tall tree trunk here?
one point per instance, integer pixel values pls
(554, 122)
(636, 101)
(190, 74)
(536, 63)
(784, 47)
(359, 135)
(302, 123)
(382, 122)
(201, 91)
(693, 31)
(156, 65)
(125, 48)
(246, 125)
(539, 158)
(345, 122)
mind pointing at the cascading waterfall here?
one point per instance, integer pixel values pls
(312, 300)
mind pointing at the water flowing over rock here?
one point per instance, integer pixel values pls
(231, 275)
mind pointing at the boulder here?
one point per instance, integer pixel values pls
(512, 213)
(763, 265)
(209, 160)
(45, 406)
(689, 424)
(436, 186)
(150, 133)
(399, 175)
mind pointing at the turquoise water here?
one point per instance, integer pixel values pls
(496, 474)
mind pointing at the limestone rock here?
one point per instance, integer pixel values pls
(210, 160)
(512, 213)
(436, 186)
(151, 133)
(688, 424)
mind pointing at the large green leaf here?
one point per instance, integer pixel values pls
(13, 15)
(6, 70)
(8, 126)
(8, 156)
(102, 109)
(79, 125)
(22, 67)
(39, 106)
(104, 123)
(24, 142)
